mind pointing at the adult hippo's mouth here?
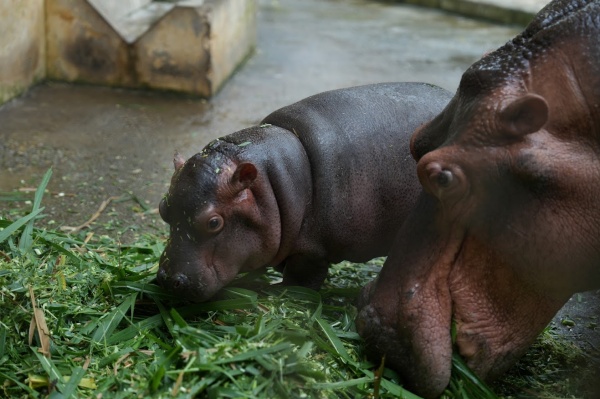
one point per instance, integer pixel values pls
(445, 281)
(406, 316)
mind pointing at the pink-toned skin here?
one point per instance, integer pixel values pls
(508, 225)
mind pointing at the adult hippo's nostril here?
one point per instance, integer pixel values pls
(446, 181)
(439, 176)
(437, 179)
(444, 178)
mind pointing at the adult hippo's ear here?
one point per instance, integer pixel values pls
(244, 175)
(525, 115)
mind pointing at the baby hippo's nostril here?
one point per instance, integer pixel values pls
(179, 281)
(171, 282)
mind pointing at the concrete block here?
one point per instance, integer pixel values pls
(83, 47)
(232, 37)
(131, 18)
(197, 45)
(115, 9)
(132, 25)
(174, 54)
(191, 46)
(22, 46)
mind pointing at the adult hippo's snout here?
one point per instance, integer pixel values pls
(405, 313)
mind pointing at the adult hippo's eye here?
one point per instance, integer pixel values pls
(215, 224)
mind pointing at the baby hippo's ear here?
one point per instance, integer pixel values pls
(178, 161)
(244, 175)
(525, 115)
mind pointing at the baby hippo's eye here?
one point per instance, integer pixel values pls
(215, 224)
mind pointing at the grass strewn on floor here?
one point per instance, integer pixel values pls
(553, 368)
(81, 317)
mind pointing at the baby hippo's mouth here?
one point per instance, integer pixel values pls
(194, 286)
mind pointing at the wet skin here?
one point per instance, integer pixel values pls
(508, 225)
(326, 179)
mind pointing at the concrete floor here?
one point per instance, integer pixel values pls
(105, 142)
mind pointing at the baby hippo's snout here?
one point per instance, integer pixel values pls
(188, 280)
(173, 281)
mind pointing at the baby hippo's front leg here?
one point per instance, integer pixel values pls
(305, 272)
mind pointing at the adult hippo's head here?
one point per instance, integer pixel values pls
(508, 225)
(223, 220)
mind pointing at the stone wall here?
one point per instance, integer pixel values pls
(22, 46)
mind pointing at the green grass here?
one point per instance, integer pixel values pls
(113, 333)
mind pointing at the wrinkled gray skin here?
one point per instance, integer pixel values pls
(508, 226)
(326, 179)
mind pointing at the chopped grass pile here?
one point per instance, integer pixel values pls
(82, 317)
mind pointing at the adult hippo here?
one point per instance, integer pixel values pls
(508, 226)
(326, 179)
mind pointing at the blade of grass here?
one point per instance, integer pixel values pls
(73, 381)
(58, 246)
(140, 327)
(335, 341)
(341, 384)
(475, 384)
(391, 387)
(167, 319)
(54, 374)
(181, 323)
(8, 231)
(163, 366)
(114, 356)
(15, 380)
(143, 288)
(112, 320)
(226, 304)
(282, 347)
(26, 241)
(301, 293)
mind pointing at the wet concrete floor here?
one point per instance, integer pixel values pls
(104, 142)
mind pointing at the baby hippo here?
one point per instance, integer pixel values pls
(326, 179)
